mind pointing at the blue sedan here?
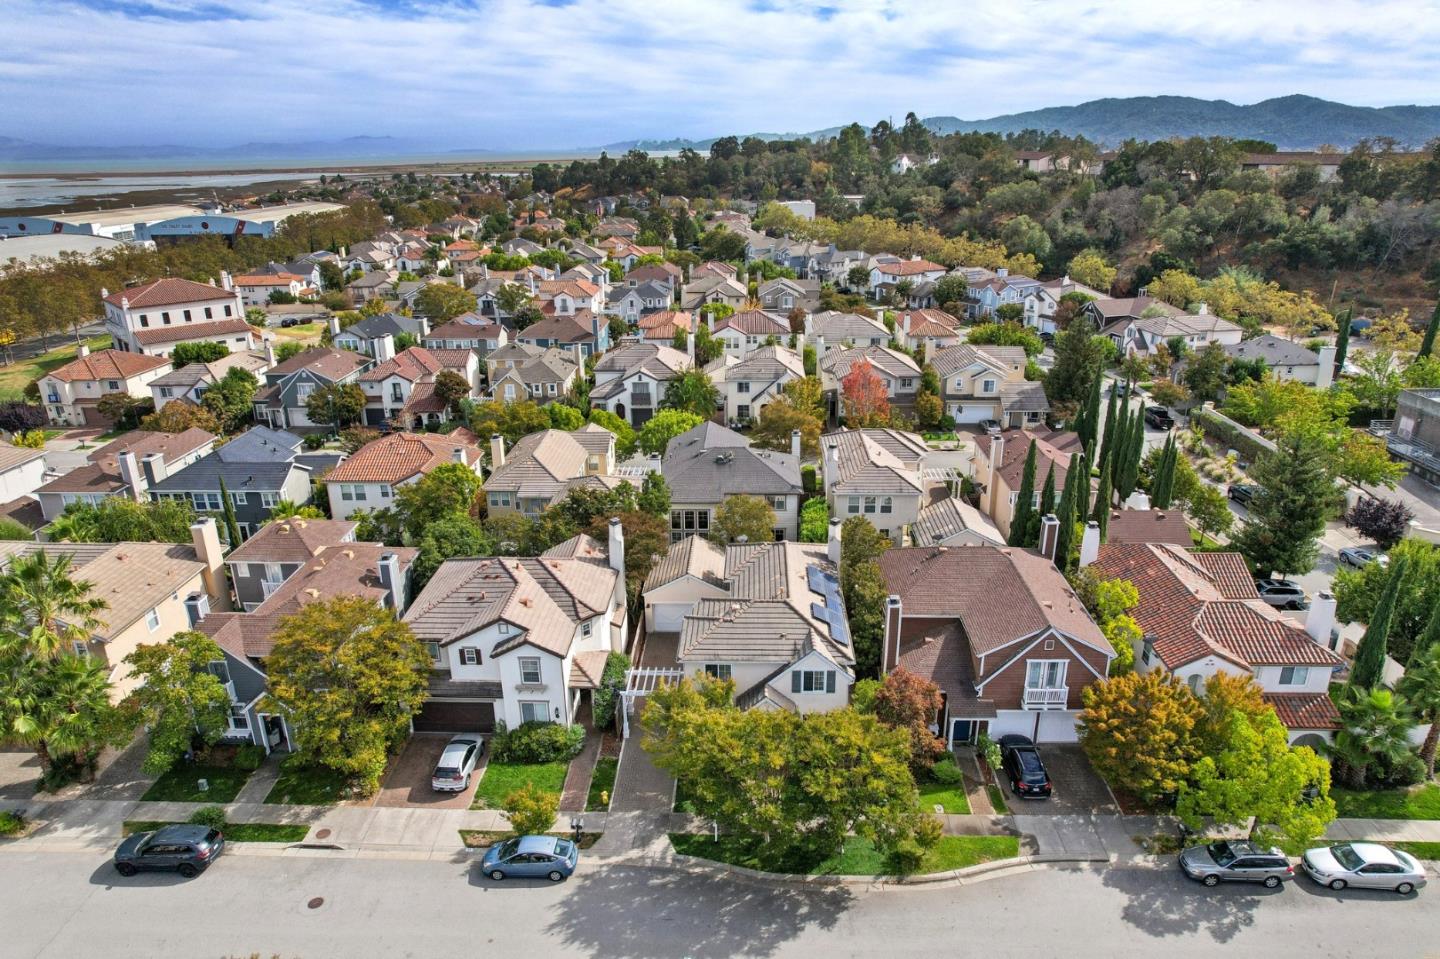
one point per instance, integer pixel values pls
(531, 857)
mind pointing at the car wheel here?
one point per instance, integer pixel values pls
(556, 875)
(187, 870)
(497, 875)
(1338, 884)
(1211, 880)
(125, 869)
(1405, 888)
(1271, 882)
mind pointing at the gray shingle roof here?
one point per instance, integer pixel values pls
(258, 459)
(950, 517)
(874, 461)
(1274, 351)
(709, 462)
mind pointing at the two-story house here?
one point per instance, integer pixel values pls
(520, 371)
(127, 466)
(928, 329)
(999, 467)
(878, 474)
(979, 383)
(1043, 301)
(831, 330)
(661, 328)
(401, 390)
(374, 284)
(469, 331)
(367, 480)
(639, 298)
(190, 382)
(897, 371)
(581, 333)
(152, 317)
(1002, 634)
(520, 639)
(709, 463)
(740, 334)
(366, 336)
(886, 276)
(281, 402)
(71, 393)
(747, 385)
(999, 289)
(630, 380)
(1141, 324)
(255, 289)
(781, 295)
(713, 288)
(260, 565)
(543, 467)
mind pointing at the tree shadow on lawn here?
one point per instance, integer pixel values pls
(702, 916)
(1164, 903)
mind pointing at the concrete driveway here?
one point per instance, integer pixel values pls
(407, 781)
(1078, 790)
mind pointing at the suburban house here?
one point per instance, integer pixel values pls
(1288, 360)
(1002, 634)
(781, 295)
(255, 289)
(369, 570)
(713, 288)
(749, 384)
(519, 371)
(661, 327)
(952, 521)
(979, 383)
(1200, 615)
(707, 464)
(740, 333)
(145, 588)
(639, 298)
(1043, 300)
(22, 471)
(280, 401)
(190, 382)
(401, 390)
(1148, 526)
(580, 334)
(886, 276)
(263, 562)
(153, 317)
(1141, 324)
(665, 274)
(830, 329)
(767, 616)
(260, 468)
(878, 474)
(630, 380)
(124, 467)
(897, 371)
(520, 639)
(997, 289)
(999, 467)
(543, 467)
(469, 331)
(375, 284)
(570, 297)
(1274, 164)
(366, 335)
(833, 266)
(1414, 436)
(931, 329)
(71, 393)
(368, 478)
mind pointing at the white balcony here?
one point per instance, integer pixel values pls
(1056, 697)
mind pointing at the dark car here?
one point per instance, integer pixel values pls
(289, 321)
(1159, 417)
(1243, 492)
(1219, 862)
(189, 850)
(1022, 764)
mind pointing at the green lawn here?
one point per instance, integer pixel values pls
(15, 377)
(997, 799)
(235, 831)
(308, 786)
(1424, 803)
(859, 857)
(1420, 850)
(502, 779)
(603, 781)
(181, 784)
(951, 798)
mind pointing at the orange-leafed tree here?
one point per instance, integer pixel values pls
(866, 402)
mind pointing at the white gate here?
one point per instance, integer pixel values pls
(641, 682)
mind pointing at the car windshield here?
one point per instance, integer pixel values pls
(564, 847)
(1221, 853)
(1347, 857)
(506, 849)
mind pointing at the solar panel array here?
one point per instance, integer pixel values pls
(832, 611)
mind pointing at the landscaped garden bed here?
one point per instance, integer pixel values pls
(235, 831)
(485, 838)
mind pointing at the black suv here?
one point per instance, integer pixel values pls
(1243, 492)
(188, 850)
(1022, 764)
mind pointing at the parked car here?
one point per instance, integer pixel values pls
(1281, 593)
(289, 321)
(1364, 865)
(1242, 493)
(1159, 417)
(1358, 557)
(189, 850)
(989, 426)
(456, 763)
(1022, 764)
(1227, 861)
(538, 857)
(1120, 389)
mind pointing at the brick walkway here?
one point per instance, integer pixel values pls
(577, 778)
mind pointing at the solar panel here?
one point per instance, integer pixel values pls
(816, 577)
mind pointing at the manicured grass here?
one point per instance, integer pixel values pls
(305, 331)
(181, 784)
(1420, 850)
(997, 799)
(603, 781)
(858, 858)
(308, 786)
(234, 831)
(485, 838)
(1423, 803)
(15, 377)
(950, 797)
(502, 779)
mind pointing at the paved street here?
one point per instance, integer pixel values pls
(63, 904)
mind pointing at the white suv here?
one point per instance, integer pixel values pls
(457, 762)
(1281, 594)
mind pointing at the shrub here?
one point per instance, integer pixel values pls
(249, 756)
(1384, 521)
(31, 439)
(907, 857)
(18, 417)
(989, 750)
(537, 742)
(211, 816)
(11, 823)
(815, 521)
(1407, 770)
(353, 438)
(808, 482)
(531, 810)
(612, 680)
(945, 771)
(314, 441)
(862, 695)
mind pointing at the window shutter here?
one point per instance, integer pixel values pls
(795, 681)
(830, 681)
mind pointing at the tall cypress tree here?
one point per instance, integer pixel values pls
(1101, 514)
(1089, 424)
(1114, 451)
(1128, 465)
(1109, 432)
(1047, 492)
(232, 529)
(1024, 503)
(1369, 665)
(1162, 489)
(1077, 482)
(1428, 344)
(1342, 342)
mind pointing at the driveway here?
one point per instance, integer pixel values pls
(407, 781)
(1078, 790)
(19, 774)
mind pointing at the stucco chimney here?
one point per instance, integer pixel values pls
(206, 537)
(833, 542)
(153, 466)
(894, 616)
(384, 346)
(197, 607)
(1321, 618)
(269, 353)
(458, 454)
(497, 451)
(393, 582)
(1049, 535)
(1090, 543)
(334, 324)
(130, 473)
(82, 351)
(225, 281)
(616, 547)
(795, 443)
(905, 323)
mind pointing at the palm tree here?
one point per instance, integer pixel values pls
(44, 607)
(71, 715)
(1375, 727)
(1421, 687)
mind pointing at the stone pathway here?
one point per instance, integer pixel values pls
(261, 781)
(582, 768)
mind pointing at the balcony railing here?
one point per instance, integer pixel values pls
(1051, 698)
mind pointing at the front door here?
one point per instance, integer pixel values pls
(961, 731)
(275, 737)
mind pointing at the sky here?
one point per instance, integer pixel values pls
(563, 74)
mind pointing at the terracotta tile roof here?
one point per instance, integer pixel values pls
(107, 365)
(1051, 446)
(754, 323)
(168, 291)
(1148, 526)
(930, 323)
(415, 363)
(399, 456)
(577, 288)
(1305, 710)
(268, 279)
(672, 319)
(194, 331)
(909, 268)
(587, 667)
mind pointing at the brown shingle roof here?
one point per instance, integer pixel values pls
(107, 365)
(331, 364)
(193, 331)
(168, 291)
(1148, 526)
(1050, 447)
(399, 456)
(292, 540)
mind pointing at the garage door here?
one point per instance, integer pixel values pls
(973, 412)
(667, 617)
(453, 716)
(1057, 727)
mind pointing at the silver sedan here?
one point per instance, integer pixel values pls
(1364, 865)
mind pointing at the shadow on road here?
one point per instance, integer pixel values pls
(105, 875)
(696, 916)
(1165, 904)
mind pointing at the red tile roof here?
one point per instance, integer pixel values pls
(399, 456)
(1148, 526)
(909, 268)
(168, 291)
(1305, 710)
(412, 364)
(194, 331)
(1051, 446)
(268, 279)
(107, 365)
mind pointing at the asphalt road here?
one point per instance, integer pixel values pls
(69, 904)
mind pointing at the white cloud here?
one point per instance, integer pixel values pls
(514, 74)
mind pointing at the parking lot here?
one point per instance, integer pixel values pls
(407, 781)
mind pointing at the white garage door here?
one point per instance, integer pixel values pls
(667, 617)
(973, 412)
(1057, 727)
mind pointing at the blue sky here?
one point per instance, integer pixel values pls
(558, 74)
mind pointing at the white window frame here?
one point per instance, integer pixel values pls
(1050, 673)
(152, 618)
(269, 500)
(434, 650)
(809, 677)
(525, 662)
(469, 656)
(1299, 675)
(718, 670)
(532, 704)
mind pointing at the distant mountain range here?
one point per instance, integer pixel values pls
(1291, 123)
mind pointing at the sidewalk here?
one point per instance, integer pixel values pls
(1386, 830)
